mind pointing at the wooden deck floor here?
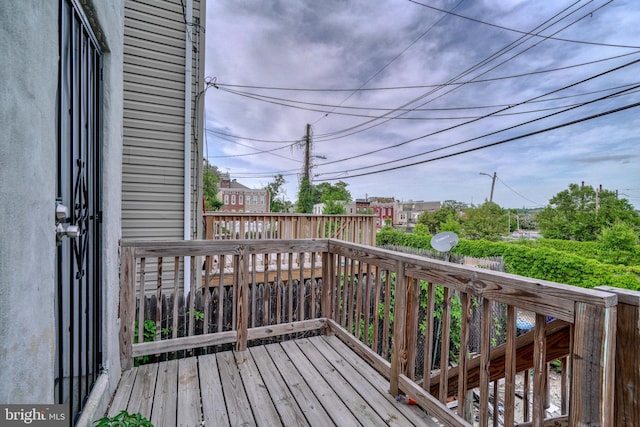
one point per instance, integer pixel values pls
(314, 381)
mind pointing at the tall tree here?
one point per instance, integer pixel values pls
(580, 213)
(210, 181)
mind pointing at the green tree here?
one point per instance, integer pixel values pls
(434, 220)
(580, 213)
(277, 201)
(333, 207)
(210, 181)
(305, 197)
(488, 221)
(334, 192)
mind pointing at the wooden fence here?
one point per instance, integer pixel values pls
(372, 299)
(281, 226)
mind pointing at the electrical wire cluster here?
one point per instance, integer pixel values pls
(556, 103)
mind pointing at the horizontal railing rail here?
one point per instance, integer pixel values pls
(283, 226)
(443, 334)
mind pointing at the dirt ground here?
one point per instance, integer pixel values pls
(554, 398)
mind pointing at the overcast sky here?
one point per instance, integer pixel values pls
(409, 101)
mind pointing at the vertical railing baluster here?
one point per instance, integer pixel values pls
(463, 357)
(428, 337)
(221, 291)
(312, 286)
(207, 294)
(159, 301)
(301, 287)
(176, 287)
(444, 345)
(278, 284)
(539, 371)
(242, 301)
(141, 301)
(376, 308)
(485, 357)
(510, 367)
(386, 321)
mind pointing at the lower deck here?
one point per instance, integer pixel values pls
(316, 381)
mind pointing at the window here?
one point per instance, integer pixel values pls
(262, 200)
(240, 199)
(233, 199)
(226, 199)
(255, 199)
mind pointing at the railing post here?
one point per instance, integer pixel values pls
(627, 381)
(328, 276)
(127, 306)
(399, 351)
(242, 300)
(593, 363)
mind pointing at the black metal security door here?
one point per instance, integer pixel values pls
(78, 210)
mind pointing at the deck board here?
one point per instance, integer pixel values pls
(238, 407)
(143, 390)
(257, 391)
(328, 398)
(285, 403)
(189, 413)
(166, 395)
(346, 391)
(314, 412)
(214, 411)
(316, 381)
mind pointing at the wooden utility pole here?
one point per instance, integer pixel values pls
(307, 153)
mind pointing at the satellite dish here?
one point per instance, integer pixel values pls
(445, 241)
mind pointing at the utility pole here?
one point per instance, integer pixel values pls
(493, 184)
(307, 153)
(305, 203)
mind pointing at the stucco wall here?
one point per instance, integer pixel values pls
(29, 67)
(29, 46)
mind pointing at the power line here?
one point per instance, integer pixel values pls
(259, 97)
(595, 116)
(523, 32)
(482, 117)
(515, 192)
(223, 86)
(488, 134)
(482, 63)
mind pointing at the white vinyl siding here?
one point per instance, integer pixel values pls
(153, 147)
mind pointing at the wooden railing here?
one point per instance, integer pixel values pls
(410, 317)
(282, 226)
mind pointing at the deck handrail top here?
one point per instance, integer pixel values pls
(483, 276)
(482, 280)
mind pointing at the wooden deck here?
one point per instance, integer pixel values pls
(316, 381)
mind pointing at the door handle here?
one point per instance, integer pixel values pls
(64, 229)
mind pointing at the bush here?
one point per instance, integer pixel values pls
(538, 260)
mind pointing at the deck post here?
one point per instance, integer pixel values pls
(399, 350)
(127, 306)
(593, 365)
(627, 382)
(242, 300)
